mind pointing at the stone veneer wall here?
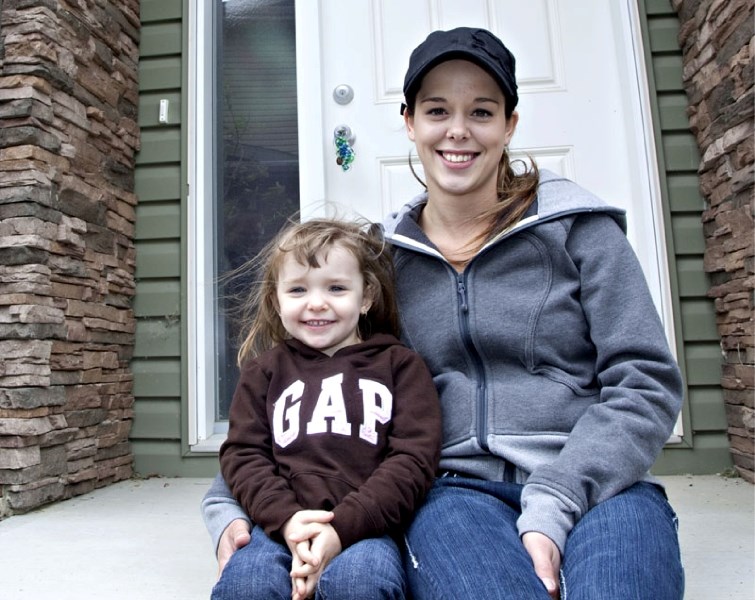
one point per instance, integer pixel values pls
(718, 45)
(68, 136)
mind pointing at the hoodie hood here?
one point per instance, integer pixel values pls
(556, 197)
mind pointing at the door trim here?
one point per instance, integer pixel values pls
(636, 65)
(312, 148)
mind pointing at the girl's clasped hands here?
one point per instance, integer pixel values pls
(313, 543)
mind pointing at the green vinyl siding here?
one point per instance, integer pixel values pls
(156, 11)
(160, 73)
(159, 373)
(157, 258)
(708, 415)
(156, 377)
(149, 100)
(705, 447)
(158, 297)
(158, 182)
(703, 365)
(159, 435)
(159, 419)
(161, 38)
(159, 145)
(684, 191)
(158, 338)
(155, 220)
(688, 237)
(699, 323)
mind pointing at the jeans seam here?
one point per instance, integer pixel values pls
(320, 595)
(419, 572)
(563, 593)
(661, 500)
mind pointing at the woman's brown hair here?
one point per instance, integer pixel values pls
(307, 243)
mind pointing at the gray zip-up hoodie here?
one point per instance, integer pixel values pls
(549, 357)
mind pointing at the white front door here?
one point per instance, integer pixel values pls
(582, 108)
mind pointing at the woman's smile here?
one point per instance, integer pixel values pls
(458, 157)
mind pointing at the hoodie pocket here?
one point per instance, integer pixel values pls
(559, 376)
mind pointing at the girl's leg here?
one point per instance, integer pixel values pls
(368, 570)
(258, 570)
(625, 547)
(463, 543)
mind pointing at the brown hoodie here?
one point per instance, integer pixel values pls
(357, 433)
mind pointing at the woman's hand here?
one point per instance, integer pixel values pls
(546, 558)
(235, 536)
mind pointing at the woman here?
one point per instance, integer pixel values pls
(557, 387)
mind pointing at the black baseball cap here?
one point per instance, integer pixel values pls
(475, 45)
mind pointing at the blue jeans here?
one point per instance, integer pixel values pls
(370, 569)
(463, 543)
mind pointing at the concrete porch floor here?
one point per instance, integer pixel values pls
(144, 540)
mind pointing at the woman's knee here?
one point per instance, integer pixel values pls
(626, 547)
(464, 543)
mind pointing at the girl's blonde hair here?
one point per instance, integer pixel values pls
(306, 242)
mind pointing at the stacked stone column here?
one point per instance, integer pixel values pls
(718, 43)
(68, 137)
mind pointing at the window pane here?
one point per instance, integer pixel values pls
(258, 164)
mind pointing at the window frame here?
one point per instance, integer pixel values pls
(205, 432)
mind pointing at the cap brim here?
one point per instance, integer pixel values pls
(412, 87)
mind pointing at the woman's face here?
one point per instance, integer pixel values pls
(460, 129)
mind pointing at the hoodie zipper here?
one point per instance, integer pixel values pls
(482, 400)
(461, 290)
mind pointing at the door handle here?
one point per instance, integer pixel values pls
(344, 132)
(343, 94)
(344, 140)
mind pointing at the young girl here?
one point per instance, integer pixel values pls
(334, 427)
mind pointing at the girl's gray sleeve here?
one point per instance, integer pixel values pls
(219, 508)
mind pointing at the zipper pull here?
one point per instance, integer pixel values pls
(462, 290)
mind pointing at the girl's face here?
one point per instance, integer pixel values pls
(321, 306)
(460, 129)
